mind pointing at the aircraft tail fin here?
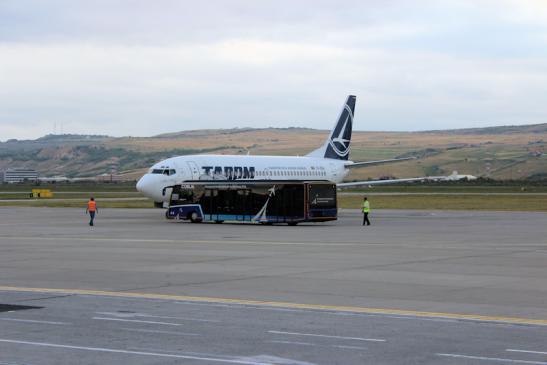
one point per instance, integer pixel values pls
(337, 145)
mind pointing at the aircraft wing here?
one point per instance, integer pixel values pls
(352, 165)
(391, 181)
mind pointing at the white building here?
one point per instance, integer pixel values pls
(19, 175)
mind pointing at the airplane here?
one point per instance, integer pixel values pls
(329, 162)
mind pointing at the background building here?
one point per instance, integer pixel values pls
(16, 175)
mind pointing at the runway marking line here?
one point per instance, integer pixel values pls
(496, 359)
(528, 351)
(276, 304)
(159, 331)
(129, 352)
(155, 240)
(327, 336)
(143, 315)
(136, 321)
(33, 321)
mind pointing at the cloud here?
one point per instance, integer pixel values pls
(137, 68)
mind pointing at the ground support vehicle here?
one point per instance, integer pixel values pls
(265, 202)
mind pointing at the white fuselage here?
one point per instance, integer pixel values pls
(176, 170)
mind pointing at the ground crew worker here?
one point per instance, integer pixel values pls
(366, 210)
(91, 209)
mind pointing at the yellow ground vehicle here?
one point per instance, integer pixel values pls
(41, 193)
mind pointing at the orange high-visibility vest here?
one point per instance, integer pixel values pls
(91, 206)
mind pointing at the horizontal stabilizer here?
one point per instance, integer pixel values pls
(352, 165)
(355, 184)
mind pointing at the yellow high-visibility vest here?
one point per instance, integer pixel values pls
(366, 206)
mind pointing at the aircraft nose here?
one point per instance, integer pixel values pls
(143, 185)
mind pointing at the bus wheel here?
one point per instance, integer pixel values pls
(167, 214)
(292, 223)
(194, 217)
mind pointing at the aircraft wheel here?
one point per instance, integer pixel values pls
(194, 217)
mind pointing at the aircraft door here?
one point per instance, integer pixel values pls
(193, 170)
(334, 172)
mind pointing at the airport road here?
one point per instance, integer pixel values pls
(418, 287)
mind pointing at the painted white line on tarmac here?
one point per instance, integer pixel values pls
(497, 359)
(350, 347)
(34, 321)
(146, 240)
(328, 336)
(528, 351)
(293, 343)
(136, 321)
(162, 332)
(133, 315)
(128, 352)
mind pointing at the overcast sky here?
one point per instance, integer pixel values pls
(142, 68)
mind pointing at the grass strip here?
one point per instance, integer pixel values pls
(450, 202)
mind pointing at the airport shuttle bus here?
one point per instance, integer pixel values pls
(268, 202)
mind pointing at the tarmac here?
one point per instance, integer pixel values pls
(416, 287)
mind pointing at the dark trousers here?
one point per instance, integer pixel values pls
(365, 219)
(91, 218)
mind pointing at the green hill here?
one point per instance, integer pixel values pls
(505, 152)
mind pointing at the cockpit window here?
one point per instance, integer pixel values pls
(167, 172)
